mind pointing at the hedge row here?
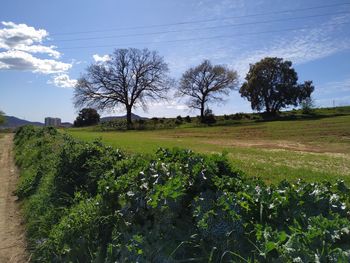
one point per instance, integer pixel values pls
(86, 202)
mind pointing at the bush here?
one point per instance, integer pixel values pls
(85, 202)
(307, 106)
(188, 119)
(208, 117)
(141, 124)
(120, 125)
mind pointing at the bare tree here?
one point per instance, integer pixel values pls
(206, 83)
(131, 78)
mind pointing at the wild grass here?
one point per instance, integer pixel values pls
(314, 149)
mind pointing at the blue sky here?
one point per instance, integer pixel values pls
(46, 45)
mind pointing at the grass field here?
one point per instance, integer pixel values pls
(311, 149)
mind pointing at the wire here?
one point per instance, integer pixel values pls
(204, 20)
(196, 39)
(203, 28)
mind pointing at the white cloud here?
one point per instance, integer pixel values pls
(169, 104)
(102, 59)
(211, 8)
(22, 37)
(334, 101)
(304, 46)
(177, 107)
(173, 104)
(40, 49)
(315, 41)
(63, 81)
(333, 87)
(19, 34)
(20, 60)
(18, 43)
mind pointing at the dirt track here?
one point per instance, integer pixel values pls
(12, 237)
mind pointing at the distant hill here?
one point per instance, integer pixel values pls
(66, 124)
(111, 118)
(14, 122)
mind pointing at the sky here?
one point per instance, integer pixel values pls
(45, 46)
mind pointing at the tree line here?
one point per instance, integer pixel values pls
(134, 78)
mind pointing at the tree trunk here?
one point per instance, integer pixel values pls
(202, 110)
(128, 117)
(267, 106)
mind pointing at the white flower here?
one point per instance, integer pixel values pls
(317, 259)
(315, 192)
(345, 230)
(258, 189)
(130, 193)
(297, 260)
(334, 198)
(144, 185)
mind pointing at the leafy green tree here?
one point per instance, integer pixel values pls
(271, 84)
(206, 83)
(87, 117)
(2, 117)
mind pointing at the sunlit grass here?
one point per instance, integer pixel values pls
(313, 150)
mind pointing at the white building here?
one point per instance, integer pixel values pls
(54, 122)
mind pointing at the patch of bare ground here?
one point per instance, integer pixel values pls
(12, 234)
(279, 144)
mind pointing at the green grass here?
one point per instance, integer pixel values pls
(312, 149)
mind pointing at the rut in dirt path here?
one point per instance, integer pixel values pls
(12, 235)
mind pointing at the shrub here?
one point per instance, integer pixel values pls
(188, 119)
(208, 117)
(114, 125)
(307, 106)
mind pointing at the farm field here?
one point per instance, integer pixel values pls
(311, 149)
(92, 203)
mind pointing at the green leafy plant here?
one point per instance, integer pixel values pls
(85, 202)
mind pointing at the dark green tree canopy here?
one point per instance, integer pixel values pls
(272, 84)
(2, 117)
(206, 83)
(87, 117)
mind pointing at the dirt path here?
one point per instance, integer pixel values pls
(12, 238)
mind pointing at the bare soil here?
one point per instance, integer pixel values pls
(280, 145)
(12, 233)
